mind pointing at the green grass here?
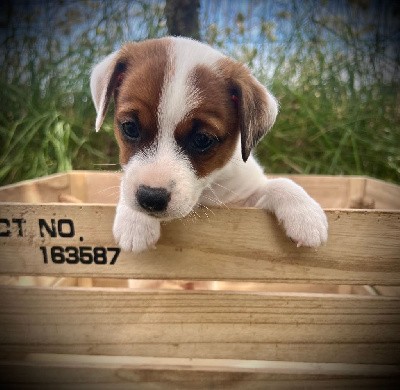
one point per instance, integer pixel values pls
(338, 105)
(325, 133)
(39, 139)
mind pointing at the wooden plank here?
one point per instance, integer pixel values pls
(223, 365)
(154, 284)
(212, 325)
(383, 195)
(356, 198)
(363, 247)
(329, 191)
(100, 187)
(79, 188)
(390, 291)
(42, 190)
(78, 371)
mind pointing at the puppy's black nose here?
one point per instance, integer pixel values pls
(153, 199)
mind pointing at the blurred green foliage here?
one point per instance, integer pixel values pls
(333, 66)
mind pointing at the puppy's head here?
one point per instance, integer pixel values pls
(180, 108)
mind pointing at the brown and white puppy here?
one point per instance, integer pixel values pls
(186, 120)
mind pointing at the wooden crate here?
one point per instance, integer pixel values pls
(225, 301)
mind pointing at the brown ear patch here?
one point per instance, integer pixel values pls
(254, 105)
(115, 81)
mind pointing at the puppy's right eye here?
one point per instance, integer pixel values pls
(131, 129)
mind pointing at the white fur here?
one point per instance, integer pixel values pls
(163, 165)
(273, 108)
(133, 230)
(179, 95)
(245, 184)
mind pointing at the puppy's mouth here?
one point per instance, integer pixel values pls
(164, 215)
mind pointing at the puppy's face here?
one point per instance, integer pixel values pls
(180, 109)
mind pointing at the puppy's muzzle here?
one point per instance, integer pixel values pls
(152, 199)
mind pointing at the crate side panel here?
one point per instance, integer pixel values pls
(328, 191)
(103, 187)
(42, 377)
(79, 189)
(69, 371)
(382, 195)
(240, 244)
(96, 187)
(200, 325)
(42, 190)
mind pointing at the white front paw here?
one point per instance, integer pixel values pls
(305, 223)
(135, 231)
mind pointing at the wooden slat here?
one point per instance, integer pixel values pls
(82, 371)
(388, 290)
(42, 190)
(329, 191)
(98, 187)
(217, 325)
(383, 195)
(153, 284)
(240, 244)
(102, 187)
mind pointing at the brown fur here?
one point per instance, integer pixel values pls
(218, 114)
(137, 90)
(254, 119)
(140, 91)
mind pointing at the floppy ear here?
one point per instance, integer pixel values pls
(104, 79)
(257, 109)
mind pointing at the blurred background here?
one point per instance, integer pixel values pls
(333, 65)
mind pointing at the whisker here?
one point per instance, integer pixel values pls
(112, 194)
(196, 213)
(218, 200)
(108, 189)
(192, 217)
(225, 188)
(210, 199)
(202, 205)
(182, 219)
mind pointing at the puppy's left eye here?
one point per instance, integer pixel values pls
(131, 129)
(202, 142)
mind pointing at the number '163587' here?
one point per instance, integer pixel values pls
(82, 254)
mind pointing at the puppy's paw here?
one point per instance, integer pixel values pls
(304, 223)
(135, 231)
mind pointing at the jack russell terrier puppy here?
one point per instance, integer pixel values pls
(186, 120)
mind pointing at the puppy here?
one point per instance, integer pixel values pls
(186, 120)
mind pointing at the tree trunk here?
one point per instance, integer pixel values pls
(183, 18)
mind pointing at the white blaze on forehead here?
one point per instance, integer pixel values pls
(179, 94)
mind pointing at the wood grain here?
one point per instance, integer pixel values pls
(54, 335)
(239, 244)
(103, 187)
(216, 325)
(42, 190)
(126, 372)
(383, 195)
